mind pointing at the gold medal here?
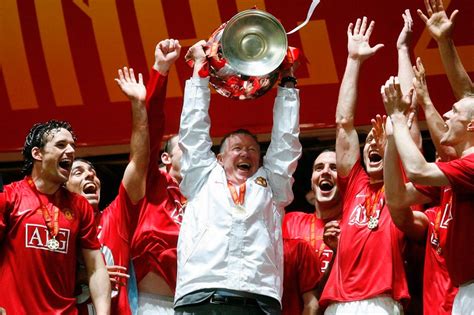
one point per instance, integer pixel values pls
(52, 244)
(373, 223)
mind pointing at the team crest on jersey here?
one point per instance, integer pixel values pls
(68, 214)
(37, 236)
(261, 181)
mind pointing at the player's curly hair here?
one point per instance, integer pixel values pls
(37, 137)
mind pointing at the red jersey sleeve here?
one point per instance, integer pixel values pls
(122, 214)
(3, 221)
(308, 266)
(155, 103)
(88, 229)
(460, 173)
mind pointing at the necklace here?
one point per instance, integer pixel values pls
(52, 222)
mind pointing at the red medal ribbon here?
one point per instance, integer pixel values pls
(237, 198)
(371, 201)
(52, 224)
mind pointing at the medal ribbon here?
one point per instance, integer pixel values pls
(313, 237)
(237, 198)
(371, 202)
(53, 225)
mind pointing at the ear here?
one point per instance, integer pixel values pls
(165, 158)
(220, 159)
(36, 154)
(470, 126)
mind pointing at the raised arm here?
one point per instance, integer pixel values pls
(194, 139)
(99, 283)
(435, 122)
(417, 169)
(347, 141)
(134, 177)
(400, 196)
(285, 148)
(406, 74)
(441, 28)
(166, 53)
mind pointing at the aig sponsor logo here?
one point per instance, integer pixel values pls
(36, 236)
(359, 215)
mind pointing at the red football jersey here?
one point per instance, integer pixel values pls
(156, 237)
(309, 227)
(301, 274)
(459, 252)
(116, 225)
(33, 278)
(368, 262)
(438, 290)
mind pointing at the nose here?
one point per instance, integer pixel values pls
(447, 115)
(326, 168)
(90, 173)
(70, 149)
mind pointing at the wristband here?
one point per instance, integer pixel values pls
(284, 80)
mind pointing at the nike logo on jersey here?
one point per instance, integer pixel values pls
(22, 212)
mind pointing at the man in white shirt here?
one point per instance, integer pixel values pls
(230, 256)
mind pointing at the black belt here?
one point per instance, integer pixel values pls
(219, 298)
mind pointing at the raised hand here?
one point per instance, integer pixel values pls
(358, 40)
(166, 53)
(378, 127)
(437, 21)
(395, 102)
(331, 234)
(135, 91)
(118, 275)
(419, 83)
(196, 53)
(404, 39)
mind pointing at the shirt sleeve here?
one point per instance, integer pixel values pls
(285, 149)
(88, 229)
(155, 104)
(197, 160)
(3, 219)
(460, 173)
(308, 267)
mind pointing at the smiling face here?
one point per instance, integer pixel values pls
(240, 157)
(458, 120)
(323, 179)
(83, 180)
(56, 156)
(373, 156)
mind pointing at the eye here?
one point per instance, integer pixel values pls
(77, 172)
(318, 168)
(333, 167)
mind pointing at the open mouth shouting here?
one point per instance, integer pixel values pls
(65, 165)
(374, 158)
(244, 166)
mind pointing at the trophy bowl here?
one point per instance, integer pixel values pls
(246, 54)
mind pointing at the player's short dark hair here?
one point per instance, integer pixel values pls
(37, 137)
(168, 148)
(237, 132)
